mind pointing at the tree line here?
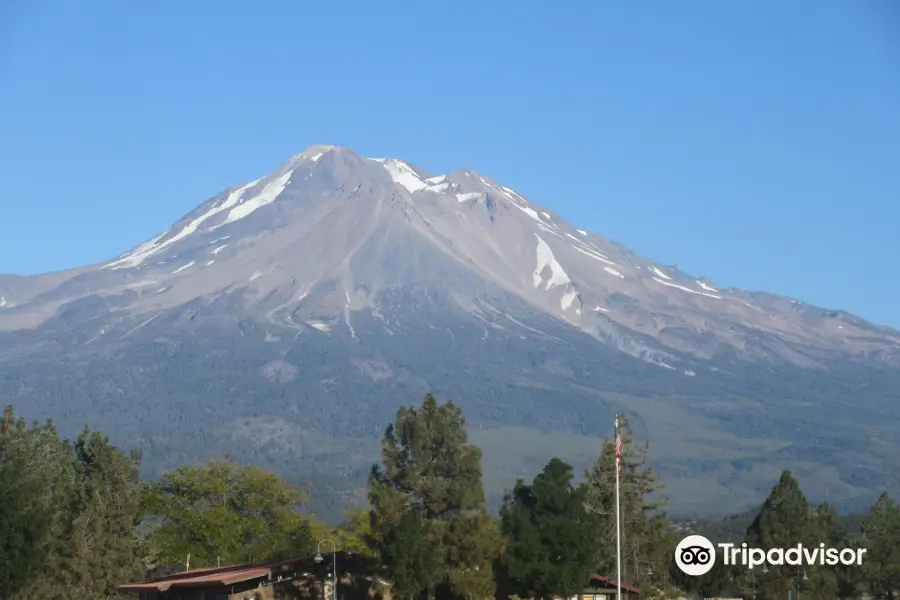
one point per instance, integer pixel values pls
(76, 521)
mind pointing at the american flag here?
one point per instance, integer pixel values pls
(619, 451)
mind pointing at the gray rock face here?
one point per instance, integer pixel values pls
(289, 317)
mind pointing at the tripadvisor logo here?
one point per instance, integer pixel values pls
(695, 555)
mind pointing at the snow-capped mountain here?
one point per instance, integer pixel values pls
(336, 263)
(330, 219)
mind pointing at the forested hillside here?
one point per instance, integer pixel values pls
(76, 520)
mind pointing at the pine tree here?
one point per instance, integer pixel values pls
(829, 581)
(428, 466)
(108, 549)
(881, 538)
(411, 559)
(36, 478)
(76, 540)
(785, 520)
(550, 538)
(646, 544)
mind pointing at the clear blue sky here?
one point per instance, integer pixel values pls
(755, 142)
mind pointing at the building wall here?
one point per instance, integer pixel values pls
(350, 587)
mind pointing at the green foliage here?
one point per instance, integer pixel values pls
(36, 475)
(412, 560)
(550, 538)
(163, 386)
(68, 514)
(429, 468)
(881, 537)
(75, 521)
(224, 512)
(785, 520)
(103, 542)
(827, 581)
(356, 534)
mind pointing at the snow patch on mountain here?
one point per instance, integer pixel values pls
(567, 299)
(436, 180)
(545, 259)
(546, 229)
(686, 289)
(612, 271)
(269, 194)
(4, 303)
(403, 174)
(469, 196)
(581, 231)
(595, 255)
(660, 273)
(183, 268)
(530, 212)
(154, 246)
(708, 288)
(219, 249)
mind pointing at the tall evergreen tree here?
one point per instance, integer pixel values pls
(36, 478)
(646, 543)
(68, 515)
(428, 466)
(881, 538)
(411, 559)
(826, 581)
(550, 537)
(104, 550)
(785, 520)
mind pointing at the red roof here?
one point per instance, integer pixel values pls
(612, 583)
(222, 576)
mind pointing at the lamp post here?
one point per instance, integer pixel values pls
(804, 578)
(753, 578)
(649, 571)
(319, 559)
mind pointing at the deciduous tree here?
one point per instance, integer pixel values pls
(228, 513)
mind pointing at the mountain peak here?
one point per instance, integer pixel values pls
(376, 222)
(315, 152)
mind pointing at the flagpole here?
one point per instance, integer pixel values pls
(618, 520)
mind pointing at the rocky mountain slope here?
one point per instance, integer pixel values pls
(288, 317)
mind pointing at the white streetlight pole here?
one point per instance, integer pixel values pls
(319, 559)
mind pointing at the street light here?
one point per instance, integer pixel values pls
(318, 558)
(804, 578)
(765, 570)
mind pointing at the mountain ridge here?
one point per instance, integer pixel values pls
(290, 310)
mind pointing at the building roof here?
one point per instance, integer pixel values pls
(609, 582)
(219, 576)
